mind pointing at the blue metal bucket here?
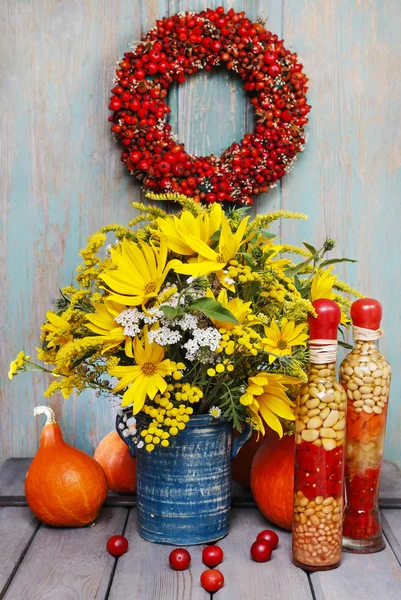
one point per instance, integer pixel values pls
(184, 491)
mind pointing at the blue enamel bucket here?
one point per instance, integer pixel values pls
(184, 491)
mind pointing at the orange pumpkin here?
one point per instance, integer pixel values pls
(120, 468)
(242, 463)
(64, 487)
(272, 479)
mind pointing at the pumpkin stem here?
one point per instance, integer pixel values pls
(46, 410)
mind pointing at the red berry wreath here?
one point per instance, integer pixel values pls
(179, 46)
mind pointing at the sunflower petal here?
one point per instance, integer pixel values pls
(271, 419)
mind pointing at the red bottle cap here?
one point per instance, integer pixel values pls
(366, 313)
(325, 325)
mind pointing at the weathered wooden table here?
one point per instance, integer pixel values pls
(42, 563)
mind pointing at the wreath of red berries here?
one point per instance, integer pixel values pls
(179, 46)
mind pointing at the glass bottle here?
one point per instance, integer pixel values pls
(365, 374)
(319, 449)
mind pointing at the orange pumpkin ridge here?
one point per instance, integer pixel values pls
(120, 468)
(272, 479)
(64, 487)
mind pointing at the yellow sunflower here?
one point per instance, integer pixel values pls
(281, 341)
(322, 285)
(271, 262)
(103, 323)
(140, 273)
(209, 260)
(176, 230)
(240, 309)
(267, 400)
(56, 324)
(146, 377)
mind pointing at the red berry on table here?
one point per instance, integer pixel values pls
(212, 580)
(212, 556)
(179, 559)
(117, 545)
(268, 536)
(261, 551)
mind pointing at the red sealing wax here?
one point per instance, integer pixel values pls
(324, 326)
(366, 313)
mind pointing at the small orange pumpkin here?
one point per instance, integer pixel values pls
(120, 468)
(64, 487)
(272, 479)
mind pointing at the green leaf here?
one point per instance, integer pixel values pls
(213, 309)
(76, 363)
(266, 234)
(216, 236)
(333, 261)
(248, 259)
(345, 345)
(298, 283)
(309, 247)
(298, 268)
(169, 311)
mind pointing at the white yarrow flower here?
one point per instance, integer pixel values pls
(187, 322)
(164, 336)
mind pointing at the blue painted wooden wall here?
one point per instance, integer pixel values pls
(61, 177)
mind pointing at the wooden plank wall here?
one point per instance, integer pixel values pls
(61, 177)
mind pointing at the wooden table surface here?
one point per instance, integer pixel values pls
(42, 563)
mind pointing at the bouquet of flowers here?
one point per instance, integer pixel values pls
(196, 312)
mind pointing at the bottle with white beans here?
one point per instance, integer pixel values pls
(365, 374)
(319, 449)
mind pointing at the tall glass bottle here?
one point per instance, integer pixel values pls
(319, 449)
(365, 375)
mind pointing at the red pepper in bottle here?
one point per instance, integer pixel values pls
(319, 449)
(365, 375)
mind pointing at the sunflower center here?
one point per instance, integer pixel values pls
(151, 287)
(148, 369)
(282, 345)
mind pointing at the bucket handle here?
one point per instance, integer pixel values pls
(121, 428)
(241, 440)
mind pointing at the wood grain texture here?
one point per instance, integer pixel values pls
(62, 180)
(278, 578)
(13, 472)
(360, 577)
(348, 180)
(62, 177)
(17, 527)
(391, 522)
(12, 476)
(69, 564)
(390, 481)
(147, 574)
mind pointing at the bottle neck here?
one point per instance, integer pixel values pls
(322, 352)
(365, 347)
(366, 335)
